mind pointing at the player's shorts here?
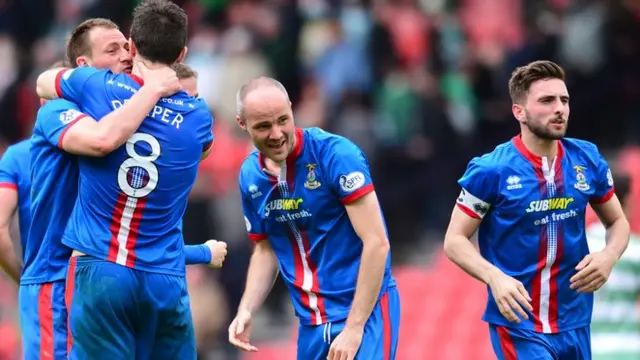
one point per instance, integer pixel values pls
(518, 344)
(116, 312)
(380, 339)
(43, 319)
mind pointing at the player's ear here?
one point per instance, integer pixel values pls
(132, 48)
(182, 55)
(82, 61)
(518, 112)
(241, 123)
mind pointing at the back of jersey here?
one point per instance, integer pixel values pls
(130, 203)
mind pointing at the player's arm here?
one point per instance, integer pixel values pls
(211, 253)
(618, 230)
(479, 191)
(9, 260)
(366, 218)
(87, 136)
(262, 274)
(460, 249)
(350, 178)
(47, 81)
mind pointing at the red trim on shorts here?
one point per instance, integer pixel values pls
(386, 326)
(45, 317)
(68, 298)
(506, 344)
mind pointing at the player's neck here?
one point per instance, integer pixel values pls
(273, 167)
(150, 65)
(541, 147)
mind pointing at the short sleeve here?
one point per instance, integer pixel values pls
(55, 121)
(252, 219)
(348, 170)
(70, 83)
(9, 171)
(205, 133)
(479, 189)
(604, 187)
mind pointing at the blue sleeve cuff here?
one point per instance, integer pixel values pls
(197, 254)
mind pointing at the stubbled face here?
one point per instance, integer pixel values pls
(545, 111)
(190, 86)
(109, 50)
(268, 119)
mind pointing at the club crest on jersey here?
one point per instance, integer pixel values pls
(311, 183)
(581, 180)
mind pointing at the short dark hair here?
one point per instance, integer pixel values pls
(184, 71)
(78, 44)
(523, 76)
(622, 183)
(159, 30)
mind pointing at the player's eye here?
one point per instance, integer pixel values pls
(282, 120)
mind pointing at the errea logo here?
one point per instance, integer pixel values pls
(513, 182)
(254, 191)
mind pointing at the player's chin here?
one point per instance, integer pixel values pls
(275, 154)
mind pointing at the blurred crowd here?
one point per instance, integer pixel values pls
(420, 85)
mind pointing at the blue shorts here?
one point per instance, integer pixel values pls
(43, 319)
(380, 339)
(518, 344)
(116, 312)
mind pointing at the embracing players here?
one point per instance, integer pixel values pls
(311, 209)
(527, 199)
(127, 231)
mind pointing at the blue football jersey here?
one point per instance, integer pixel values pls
(130, 202)
(56, 174)
(15, 174)
(533, 224)
(302, 214)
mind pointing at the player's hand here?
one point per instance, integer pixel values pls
(346, 345)
(593, 272)
(511, 297)
(218, 252)
(163, 81)
(240, 331)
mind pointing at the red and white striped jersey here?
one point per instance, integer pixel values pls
(303, 216)
(130, 202)
(533, 227)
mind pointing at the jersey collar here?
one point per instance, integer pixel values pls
(533, 158)
(137, 79)
(295, 152)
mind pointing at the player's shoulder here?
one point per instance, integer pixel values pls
(496, 160)
(19, 150)
(55, 106)
(573, 146)
(249, 169)
(323, 141)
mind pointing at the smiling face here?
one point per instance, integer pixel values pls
(109, 50)
(268, 118)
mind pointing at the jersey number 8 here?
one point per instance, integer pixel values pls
(138, 175)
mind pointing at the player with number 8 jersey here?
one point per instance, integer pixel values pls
(130, 203)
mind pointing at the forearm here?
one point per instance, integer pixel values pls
(463, 253)
(46, 84)
(370, 275)
(197, 254)
(262, 273)
(9, 260)
(118, 126)
(618, 237)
